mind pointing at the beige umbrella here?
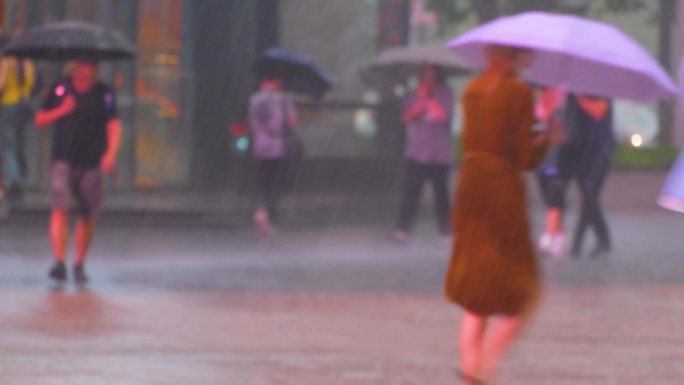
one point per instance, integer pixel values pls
(414, 57)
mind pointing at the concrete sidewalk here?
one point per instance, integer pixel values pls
(330, 305)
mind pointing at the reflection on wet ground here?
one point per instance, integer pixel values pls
(339, 305)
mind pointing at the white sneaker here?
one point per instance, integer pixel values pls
(557, 248)
(446, 240)
(545, 242)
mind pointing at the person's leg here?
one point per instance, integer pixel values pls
(10, 163)
(59, 220)
(59, 233)
(439, 176)
(546, 238)
(471, 344)
(277, 186)
(89, 193)
(499, 338)
(584, 220)
(84, 237)
(594, 182)
(266, 169)
(413, 184)
(20, 134)
(557, 189)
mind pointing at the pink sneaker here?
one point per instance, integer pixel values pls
(262, 222)
(400, 236)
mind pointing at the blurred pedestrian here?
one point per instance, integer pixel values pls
(429, 151)
(272, 119)
(493, 273)
(590, 119)
(17, 78)
(85, 145)
(552, 175)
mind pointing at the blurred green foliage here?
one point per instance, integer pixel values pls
(454, 11)
(626, 156)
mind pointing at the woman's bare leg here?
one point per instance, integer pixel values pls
(554, 221)
(499, 338)
(471, 343)
(554, 228)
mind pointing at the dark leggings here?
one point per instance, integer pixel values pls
(590, 181)
(415, 176)
(272, 175)
(553, 188)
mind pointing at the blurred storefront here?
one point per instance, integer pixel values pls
(179, 96)
(192, 77)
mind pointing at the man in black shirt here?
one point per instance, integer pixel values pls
(85, 145)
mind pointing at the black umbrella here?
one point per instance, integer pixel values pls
(299, 72)
(71, 40)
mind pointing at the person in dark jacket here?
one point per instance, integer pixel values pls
(590, 122)
(85, 146)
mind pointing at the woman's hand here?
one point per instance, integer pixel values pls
(557, 133)
(417, 109)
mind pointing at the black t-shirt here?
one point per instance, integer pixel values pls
(80, 138)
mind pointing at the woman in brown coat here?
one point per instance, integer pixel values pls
(493, 272)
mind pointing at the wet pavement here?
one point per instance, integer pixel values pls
(334, 304)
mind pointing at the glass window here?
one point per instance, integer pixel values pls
(162, 143)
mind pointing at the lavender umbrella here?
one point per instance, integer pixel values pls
(587, 56)
(672, 195)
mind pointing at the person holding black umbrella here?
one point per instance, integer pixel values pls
(85, 146)
(272, 115)
(87, 133)
(273, 118)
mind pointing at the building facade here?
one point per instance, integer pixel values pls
(180, 95)
(192, 77)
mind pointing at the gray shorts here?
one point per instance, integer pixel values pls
(85, 185)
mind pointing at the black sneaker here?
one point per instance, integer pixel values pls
(79, 274)
(58, 271)
(600, 251)
(15, 193)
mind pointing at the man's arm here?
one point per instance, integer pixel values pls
(45, 117)
(113, 145)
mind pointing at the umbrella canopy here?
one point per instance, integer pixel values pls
(299, 72)
(587, 56)
(71, 40)
(672, 194)
(415, 57)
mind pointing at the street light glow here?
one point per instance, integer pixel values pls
(637, 140)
